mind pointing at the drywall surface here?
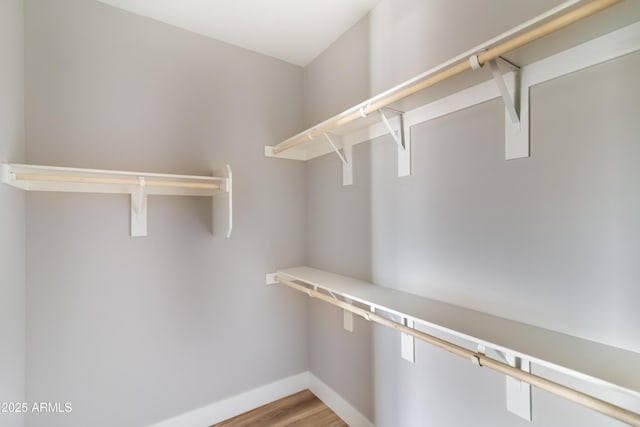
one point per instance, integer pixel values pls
(547, 240)
(338, 222)
(133, 331)
(12, 222)
(339, 77)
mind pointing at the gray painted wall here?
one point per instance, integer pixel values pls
(339, 77)
(133, 331)
(136, 330)
(548, 240)
(12, 206)
(339, 222)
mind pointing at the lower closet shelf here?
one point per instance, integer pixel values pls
(603, 365)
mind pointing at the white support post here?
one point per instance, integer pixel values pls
(516, 126)
(347, 169)
(518, 392)
(504, 92)
(402, 137)
(516, 136)
(397, 136)
(516, 133)
(139, 210)
(404, 156)
(347, 166)
(408, 343)
(347, 317)
(335, 148)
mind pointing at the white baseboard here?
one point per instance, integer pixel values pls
(337, 404)
(241, 403)
(238, 404)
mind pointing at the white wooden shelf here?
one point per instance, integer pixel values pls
(395, 111)
(137, 184)
(595, 363)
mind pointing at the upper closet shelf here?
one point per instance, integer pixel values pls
(504, 345)
(512, 70)
(137, 184)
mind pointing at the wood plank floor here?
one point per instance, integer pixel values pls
(300, 409)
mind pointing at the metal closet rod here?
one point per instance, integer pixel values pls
(591, 402)
(429, 79)
(114, 181)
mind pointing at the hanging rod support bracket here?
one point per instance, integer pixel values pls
(402, 138)
(397, 136)
(504, 92)
(346, 157)
(502, 87)
(335, 148)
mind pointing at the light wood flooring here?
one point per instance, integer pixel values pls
(300, 409)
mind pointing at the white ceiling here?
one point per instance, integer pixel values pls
(295, 31)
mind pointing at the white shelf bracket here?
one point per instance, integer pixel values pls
(347, 317)
(408, 343)
(502, 87)
(518, 392)
(139, 210)
(335, 148)
(516, 136)
(504, 92)
(516, 121)
(402, 138)
(397, 136)
(347, 168)
(346, 159)
(404, 156)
